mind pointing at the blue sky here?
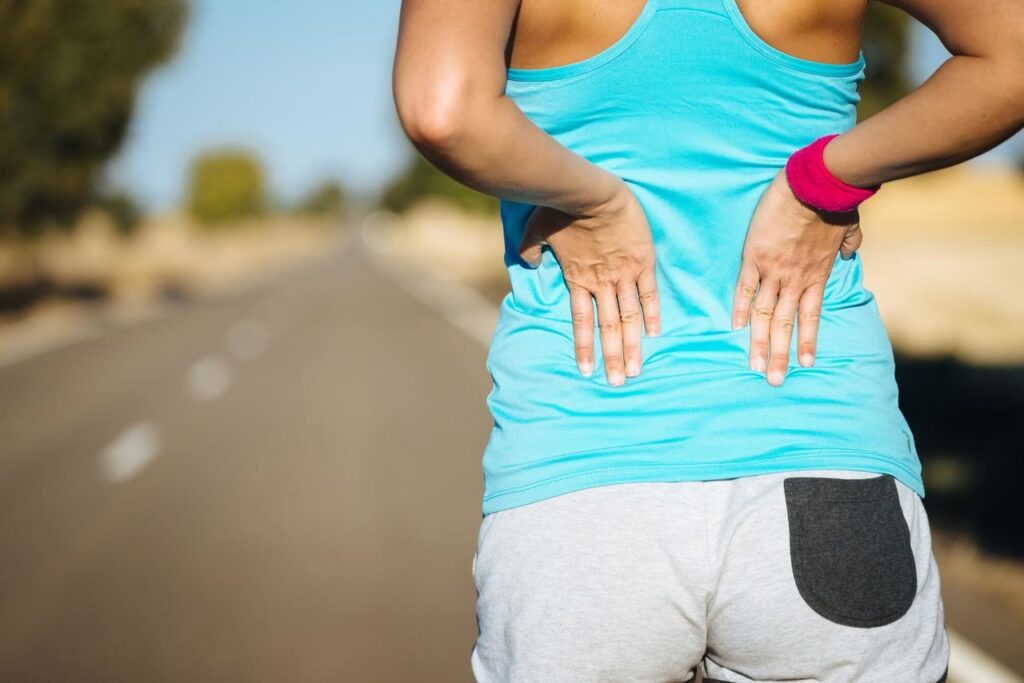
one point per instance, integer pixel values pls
(304, 84)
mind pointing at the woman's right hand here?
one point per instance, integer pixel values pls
(607, 256)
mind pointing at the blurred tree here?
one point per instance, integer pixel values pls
(885, 40)
(122, 208)
(69, 72)
(224, 186)
(327, 198)
(421, 178)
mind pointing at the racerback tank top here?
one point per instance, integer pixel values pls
(697, 114)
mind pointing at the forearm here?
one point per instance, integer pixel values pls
(967, 107)
(491, 146)
(974, 101)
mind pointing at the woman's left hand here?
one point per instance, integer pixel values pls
(787, 258)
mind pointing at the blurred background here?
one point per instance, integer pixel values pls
(243, 329)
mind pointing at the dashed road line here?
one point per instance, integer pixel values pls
(130, 452)
(208, 378)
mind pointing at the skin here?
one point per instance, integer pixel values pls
(448, 85)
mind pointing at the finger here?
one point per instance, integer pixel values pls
(851, 242)
(760, 323)
(807, 324)
(632, 323)
(746, 288)
(611, 335)
(783, 322)
(582, 304)
(647, 288)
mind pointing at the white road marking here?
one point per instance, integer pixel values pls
(476, 316)
(968, 664)
(247, 339)
(462, 306)
(130, 452)
(208, 378)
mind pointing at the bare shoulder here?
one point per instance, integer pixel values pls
(554, 32)
(822, 30)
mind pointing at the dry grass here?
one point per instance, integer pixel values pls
(167, 251)
(68, 280)
(941, 253)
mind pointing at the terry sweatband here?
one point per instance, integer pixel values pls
(813, 184)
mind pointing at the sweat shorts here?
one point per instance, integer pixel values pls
(819, 575)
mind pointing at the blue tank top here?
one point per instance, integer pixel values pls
(697, 114)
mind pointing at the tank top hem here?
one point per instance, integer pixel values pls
(804, 459)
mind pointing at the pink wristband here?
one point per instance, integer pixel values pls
(813, 184)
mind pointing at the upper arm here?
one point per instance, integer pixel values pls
(448, 51)
(979, 28)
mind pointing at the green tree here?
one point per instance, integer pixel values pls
(122, 208)
(226, 185)
(886, 35)
(69, 73)
(327, 198)
(421, 178)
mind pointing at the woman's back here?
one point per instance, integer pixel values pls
(697, 114)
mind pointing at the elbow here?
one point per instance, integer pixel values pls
(433, 112)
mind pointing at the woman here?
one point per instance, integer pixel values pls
(687, 166)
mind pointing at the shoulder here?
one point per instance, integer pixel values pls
(824, 30)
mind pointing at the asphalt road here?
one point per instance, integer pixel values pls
(277, 485)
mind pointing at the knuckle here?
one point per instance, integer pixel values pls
(763, 312)
(609, 325)
(629, 316)
(810, 316)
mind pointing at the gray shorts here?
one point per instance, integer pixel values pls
(823, 575)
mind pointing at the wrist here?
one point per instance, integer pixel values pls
(612, 197)
(816, 186)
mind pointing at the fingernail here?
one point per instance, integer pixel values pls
(806, 360)
(587, 368)
(653, 332)
(775, 377)
(758, 364)
(616, 379)
(633, 369)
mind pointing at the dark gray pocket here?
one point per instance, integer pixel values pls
(850, 548)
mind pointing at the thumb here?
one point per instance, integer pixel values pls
(532, 252)
(851, 243)
(530, 248)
